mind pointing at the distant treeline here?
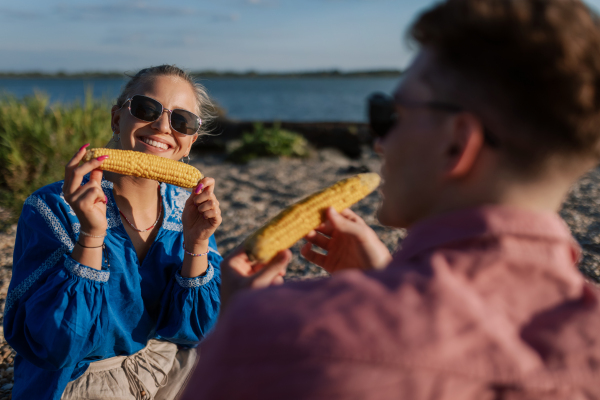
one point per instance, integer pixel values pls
(209, 74)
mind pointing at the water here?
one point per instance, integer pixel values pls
(258, 99)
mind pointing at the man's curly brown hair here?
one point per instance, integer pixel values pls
(536, 62)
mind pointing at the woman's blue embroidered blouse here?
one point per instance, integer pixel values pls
(61, 315)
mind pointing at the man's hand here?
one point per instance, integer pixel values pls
(239, 273)
(349, 242)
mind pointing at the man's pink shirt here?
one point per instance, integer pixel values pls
(478, 304)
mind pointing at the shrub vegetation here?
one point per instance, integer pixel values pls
(37, 139)
(268, 142)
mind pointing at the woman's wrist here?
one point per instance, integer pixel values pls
(195, 260)
(92, 232)
(195, 247)
(90, 242)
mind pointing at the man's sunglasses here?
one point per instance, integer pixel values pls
(147, 109)
(383, 116)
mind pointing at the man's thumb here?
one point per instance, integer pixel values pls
(275, 267)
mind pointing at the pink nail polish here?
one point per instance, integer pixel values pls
(84, 146)
(199, 188)
(102, 158)
(105, 200)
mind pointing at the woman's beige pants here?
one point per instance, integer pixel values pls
(157, 372)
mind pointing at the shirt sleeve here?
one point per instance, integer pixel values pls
(55, 311)
(190, 306)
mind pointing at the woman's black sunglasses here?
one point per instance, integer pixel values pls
(147, 109)
(383, 116)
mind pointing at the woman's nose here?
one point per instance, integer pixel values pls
(163, 123)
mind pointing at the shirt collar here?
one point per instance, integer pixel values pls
(489, 221)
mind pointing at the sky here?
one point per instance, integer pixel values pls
(222, 35)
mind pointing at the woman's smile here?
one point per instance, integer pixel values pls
(155, 144)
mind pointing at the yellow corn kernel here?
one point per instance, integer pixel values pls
(149, 166)
(299, 219)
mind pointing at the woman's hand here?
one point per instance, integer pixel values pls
(349, 242)
(88, 201)
(201, 214)
(239, 273)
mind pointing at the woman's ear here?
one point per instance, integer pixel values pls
(194, 138)
(465, 146)
(114, 118)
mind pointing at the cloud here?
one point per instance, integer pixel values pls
(111, 11)
(225, 17)
(138, 8)
(20, 14)
(261, 3)
(155, 40)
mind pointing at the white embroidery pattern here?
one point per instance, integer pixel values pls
(112, 215)
(198, 281)
(76, 225)
(86, 272)
(55, 226)
(16, 293)
(40, 206)
(62, 196)
(173, 211)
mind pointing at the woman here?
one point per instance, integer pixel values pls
(116, 278)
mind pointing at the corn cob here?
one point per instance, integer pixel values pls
(299, 219)
(147, 166)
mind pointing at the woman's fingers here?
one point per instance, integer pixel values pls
(71, 165)
(215, 213)
(89, 195)
(206, 185)
(205, 200)
(204, 191)
(78, 156)
(74, 174)
(208, 205)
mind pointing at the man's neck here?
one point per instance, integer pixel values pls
(536, 195)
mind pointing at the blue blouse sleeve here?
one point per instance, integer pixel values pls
(190, 306)
(55, 311)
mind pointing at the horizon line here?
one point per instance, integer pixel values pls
(209, 73)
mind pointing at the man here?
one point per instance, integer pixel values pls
(496, 118)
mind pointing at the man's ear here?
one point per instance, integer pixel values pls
(465, 145)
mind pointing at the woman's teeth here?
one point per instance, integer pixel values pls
(155, 144)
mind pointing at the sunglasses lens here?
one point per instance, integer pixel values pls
(184, 122)
(382, 114)
(145, 108)
(148, 109)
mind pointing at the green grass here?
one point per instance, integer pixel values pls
(37, 139)
(268, 142)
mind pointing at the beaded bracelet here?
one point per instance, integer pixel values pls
(192, 254)
(90, 235)
(90, 247)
